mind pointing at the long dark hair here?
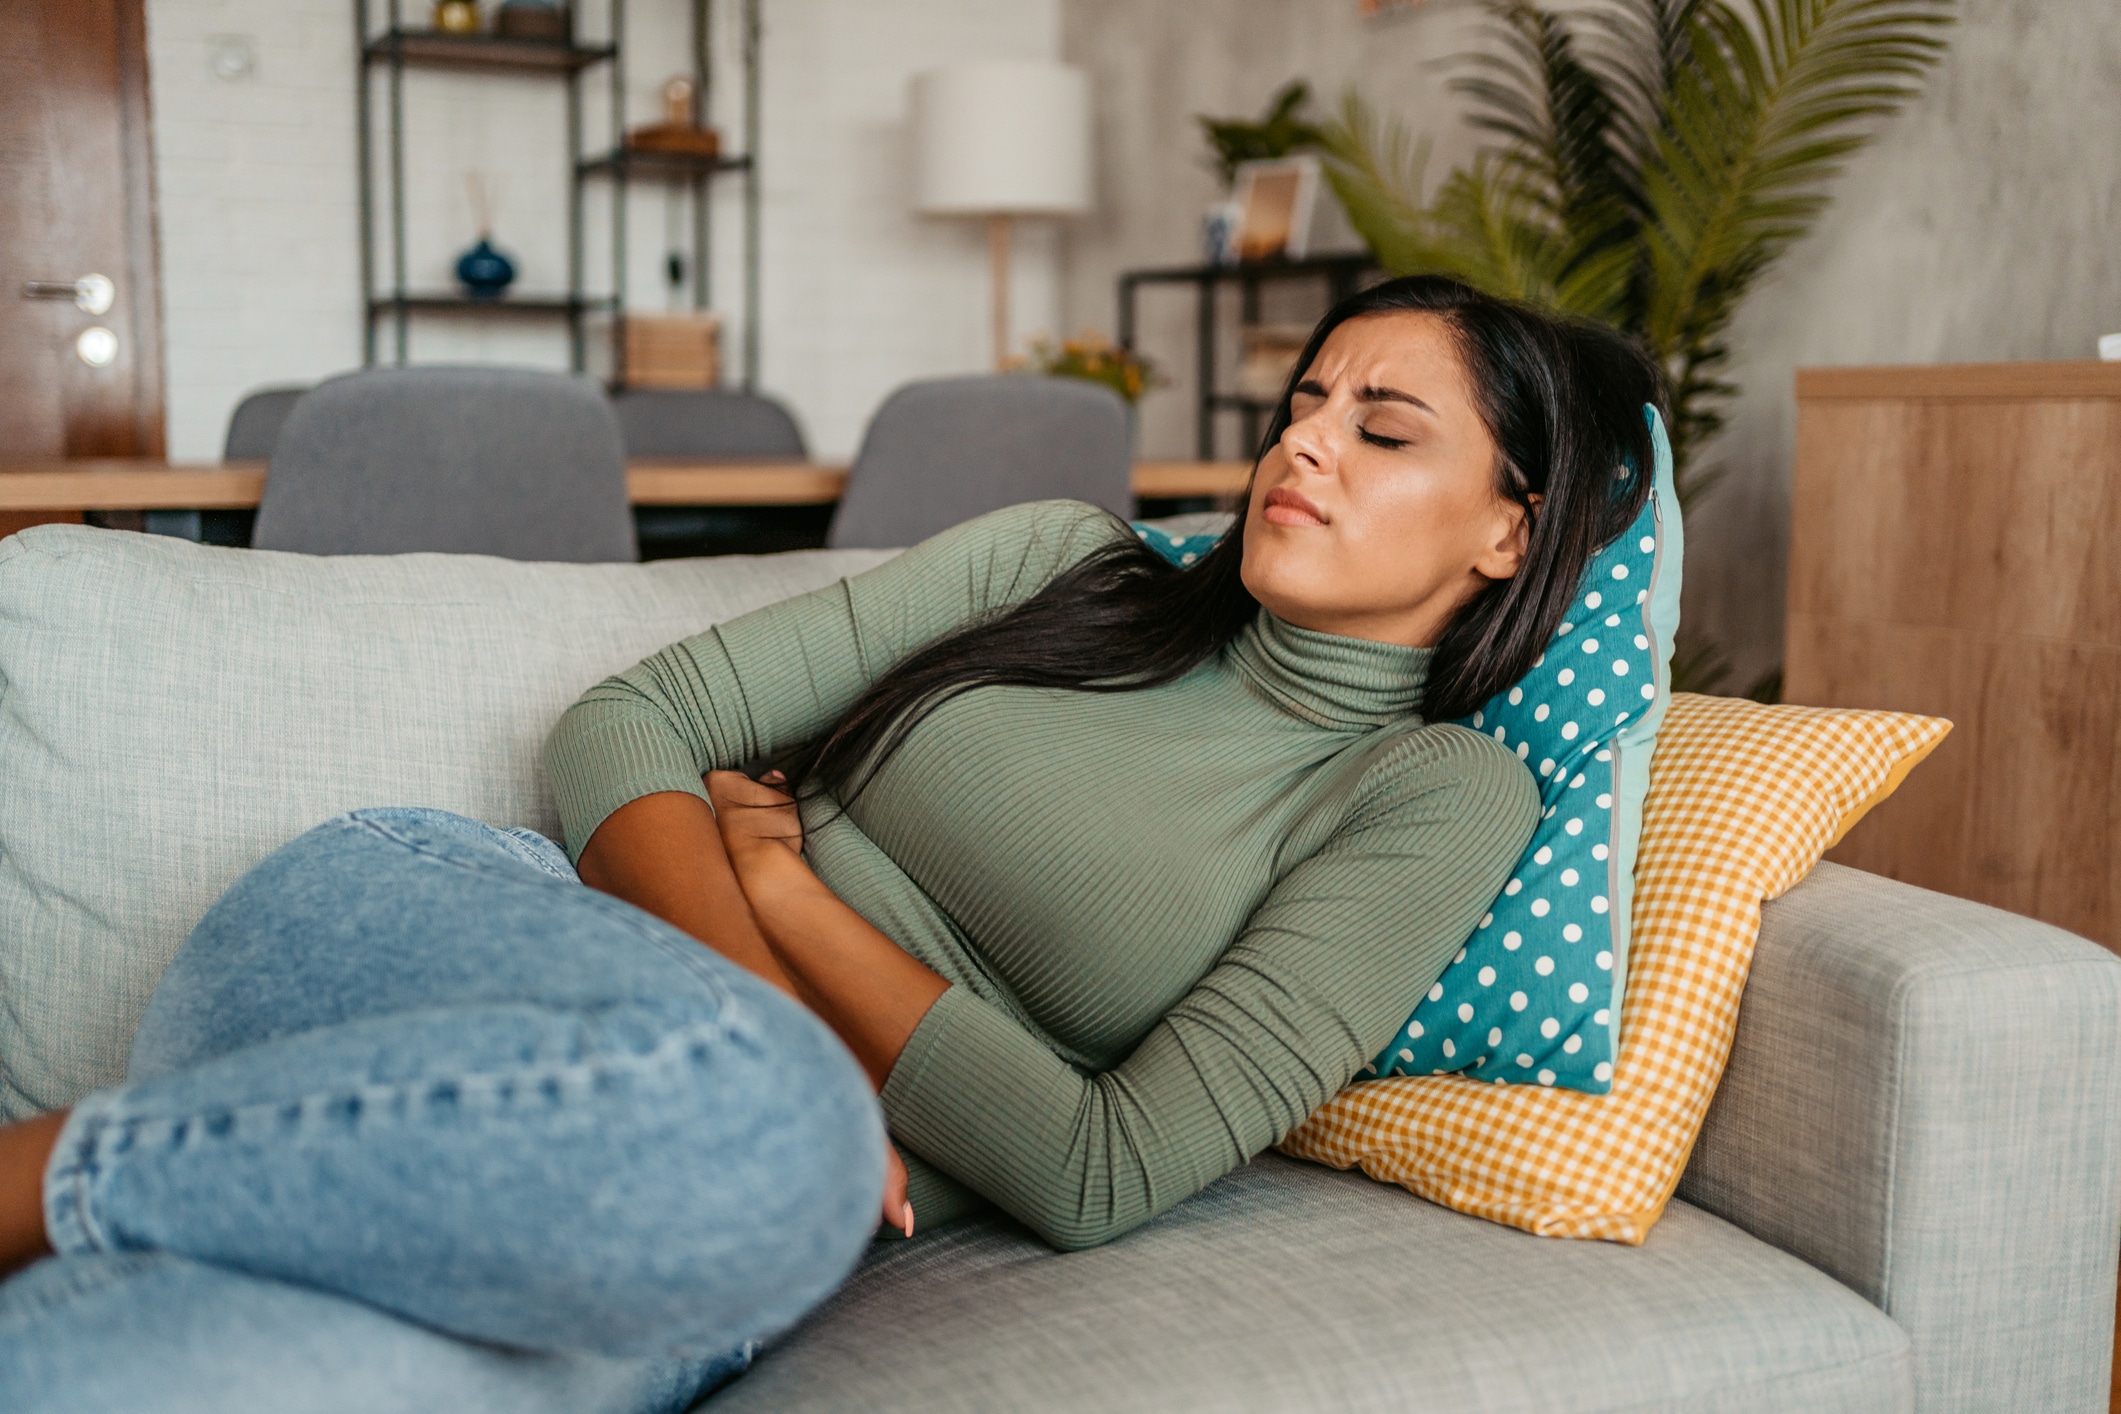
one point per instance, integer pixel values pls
(1563, 401)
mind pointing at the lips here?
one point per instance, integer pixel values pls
(1286, 507)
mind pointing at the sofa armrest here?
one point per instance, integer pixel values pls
(1924, 1101)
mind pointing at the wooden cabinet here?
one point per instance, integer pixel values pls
(1955, 549)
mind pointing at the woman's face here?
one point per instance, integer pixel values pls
(1376, 514)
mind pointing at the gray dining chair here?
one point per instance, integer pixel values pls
(941, 452)
(685, 424)
(487, 461)
(254, 427)
(658, 422)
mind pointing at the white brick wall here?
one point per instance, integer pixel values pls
(257, 201)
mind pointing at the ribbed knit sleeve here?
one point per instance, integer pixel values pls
(1324, 971)
(782, 675)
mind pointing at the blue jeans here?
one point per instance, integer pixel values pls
(415, 1121)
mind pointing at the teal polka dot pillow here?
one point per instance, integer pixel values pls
(1534, 995)
(1185, 551)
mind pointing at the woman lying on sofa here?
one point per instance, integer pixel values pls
(1099, 873)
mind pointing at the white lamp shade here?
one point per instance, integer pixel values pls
(1002, 137)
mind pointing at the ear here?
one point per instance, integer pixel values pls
(1511, 539)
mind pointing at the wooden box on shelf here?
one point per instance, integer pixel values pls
(669, 351)
(1955, 549)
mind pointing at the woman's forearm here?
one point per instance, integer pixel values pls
(866, 987)
(662, 853)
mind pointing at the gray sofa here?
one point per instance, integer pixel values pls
(1907, 1195)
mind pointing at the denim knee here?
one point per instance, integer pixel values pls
(754, 1191)
(812, 1172)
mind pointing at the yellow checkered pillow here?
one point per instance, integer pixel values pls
(1743, 800)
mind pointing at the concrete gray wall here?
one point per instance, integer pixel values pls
(1985, 224)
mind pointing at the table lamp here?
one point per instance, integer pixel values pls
(1002, 138)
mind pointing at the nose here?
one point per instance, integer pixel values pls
(1308, 442)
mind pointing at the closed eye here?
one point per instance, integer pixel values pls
(1389, 443)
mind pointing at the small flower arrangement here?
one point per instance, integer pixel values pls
(1092, 356)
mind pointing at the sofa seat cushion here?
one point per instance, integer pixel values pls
(1287, 1286)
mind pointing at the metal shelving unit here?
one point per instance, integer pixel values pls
(1342, 274)
(397, 48)
(622, 168)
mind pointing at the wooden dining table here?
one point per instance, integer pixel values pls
(140, 484)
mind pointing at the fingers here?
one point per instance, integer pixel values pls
(748, 811)
(739, 789)
(898, 1212)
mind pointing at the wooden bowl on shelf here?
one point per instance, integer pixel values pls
(681, 139)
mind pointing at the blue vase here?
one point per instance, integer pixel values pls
(484, 271)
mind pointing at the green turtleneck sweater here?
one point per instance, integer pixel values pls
(1175, 921)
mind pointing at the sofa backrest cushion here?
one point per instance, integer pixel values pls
(170, 713)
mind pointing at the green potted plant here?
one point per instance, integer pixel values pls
(1280, 131)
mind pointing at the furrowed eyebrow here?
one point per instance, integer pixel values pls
(1392, 395)
(1370, 395)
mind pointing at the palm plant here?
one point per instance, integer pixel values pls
(1650, 160)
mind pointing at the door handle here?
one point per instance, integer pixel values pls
(92, 294)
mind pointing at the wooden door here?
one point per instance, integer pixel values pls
(76, 200)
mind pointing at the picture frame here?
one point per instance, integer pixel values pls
(1275, 200)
